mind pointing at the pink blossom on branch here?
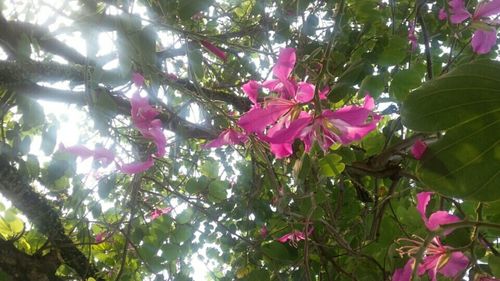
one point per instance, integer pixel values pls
(136, 167)
(227, 137)
(436, 219)
(418, 149)
(458, 12)
(483, 40)
(294, 236)
(156, 213)
(214, 50)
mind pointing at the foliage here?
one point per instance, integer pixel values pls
(330, 208)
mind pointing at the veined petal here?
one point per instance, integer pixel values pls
(438, 218)
(305, 92)
(442, 14)
(285, 237)
(404, 274)
(456, 264)
(418, 149)
(251, 89)
(78, 150)
(285, 63)
(136, 167)
(281, 150)
(105, 156)
(486, 9)
(423, 199)
(293, 131)
(483, 41)
(458, 11)
(214, 50)
(138, 79)
(227, 137)
(257, 119)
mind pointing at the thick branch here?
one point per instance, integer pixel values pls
(170, 120)
(44, 217)
(21, 266)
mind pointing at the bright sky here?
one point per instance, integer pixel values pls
(72, 118)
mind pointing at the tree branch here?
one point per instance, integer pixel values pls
(21, 266)
(43, 217)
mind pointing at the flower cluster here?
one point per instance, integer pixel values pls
(438, 258)
(485, 36)
(143, 117)
(280, 119)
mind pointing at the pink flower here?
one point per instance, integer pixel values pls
(214, 50)
(136, 167)
(418, 149)
(404, 274)
(486, 9)
(294, 237)
(99, 238)
(436, 219)
(251, 89)
(458, 11)
(263, 231)
(412, 37)
(227, 137)
(142, 113)
(100, 154)
(483, 40)
(442, 259)
(138, 79)
(156, 213)
(78, 150)
(442, 14)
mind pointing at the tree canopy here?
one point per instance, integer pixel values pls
(268, 140)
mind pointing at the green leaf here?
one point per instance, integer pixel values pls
(331, 166)
(217, 191)
(494, 264)
(33, 115)
(394, 52)
(195, 186)
(187, 8)
(105, 186)
(185, 216)
(195, 59)
(404, 81)
(463, 163)
(210, 168)
(277, 251)
(49, 138)
(373, 84)
(182, 233)
(170, 252)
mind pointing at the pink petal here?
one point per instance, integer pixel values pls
(456, 264)
(137, 167)
(486, 9)
(438, 218)
(285, 237)
(418, 149)
(281, 150)
(458, 11)
(305, 92)
(105, 156)
(404, 274)
(154, 132)
(100, 237)
(159, 212)
(423, 199)
(412, 37)
(323, 93)
(293, 131)
(142, 113)
(285, 63)
(138, 79)
(483, 41)
(227, 137)
(263, 232)
(251, 89)
(257, 119)
(78, 150)
(214, 50)
(442, 14)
